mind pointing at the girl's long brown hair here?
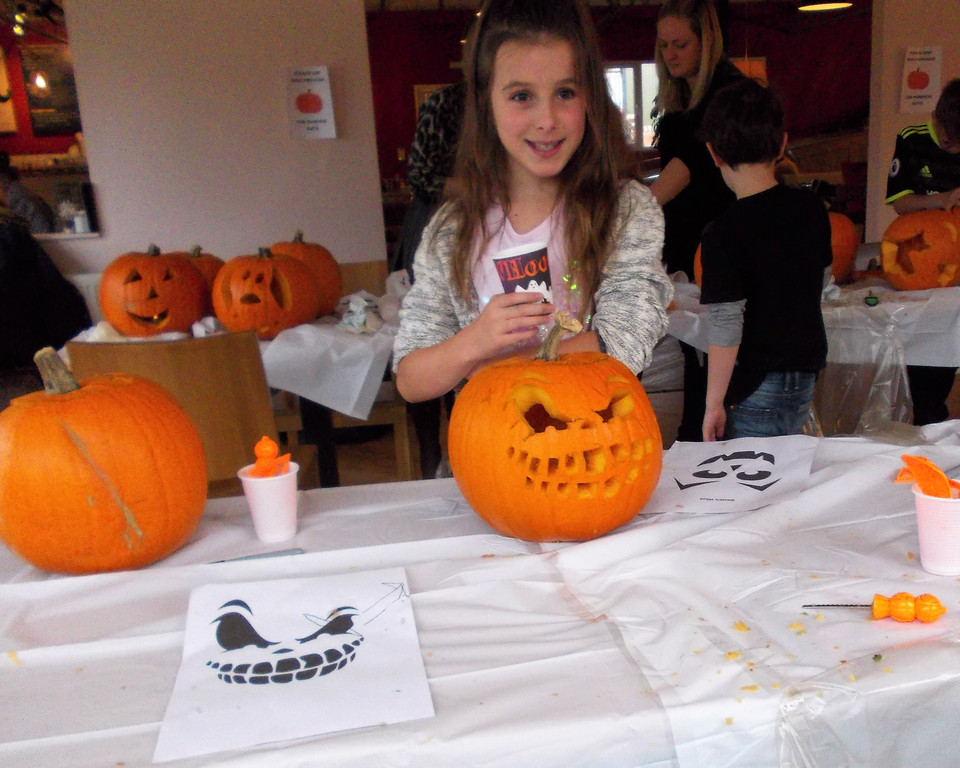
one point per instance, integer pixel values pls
(589, 184)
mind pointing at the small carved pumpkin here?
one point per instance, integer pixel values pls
(265, 293)
(143, 294)
(101, 476)
(322, 265)
(555, 450)
(920, 250)
(844, 241)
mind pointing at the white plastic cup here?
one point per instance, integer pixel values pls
(938, 526)
(272, 502)
(524, 268)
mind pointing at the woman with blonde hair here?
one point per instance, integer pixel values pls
(691, 68)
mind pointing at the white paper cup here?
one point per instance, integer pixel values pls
(938, 526)
(524, 268)
(272, 502)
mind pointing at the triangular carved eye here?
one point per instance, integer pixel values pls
(133, 277)
(167, 275)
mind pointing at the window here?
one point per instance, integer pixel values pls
(633, 88)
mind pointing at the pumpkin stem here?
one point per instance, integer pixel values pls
(196, 251)
(57, 379)
(153, 250)
(562, 323)
(264, 253)
(298, 238)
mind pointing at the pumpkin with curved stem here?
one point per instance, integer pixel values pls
(143, 294)
(844, 241)
(265, 293)
(322, 265)
(921, 250)
(101, 476)
(555, 449)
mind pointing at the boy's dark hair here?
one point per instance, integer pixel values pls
(947, 110)
(744, 124)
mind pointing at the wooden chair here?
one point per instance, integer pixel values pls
(219, 380)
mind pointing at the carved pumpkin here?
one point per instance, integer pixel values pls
(106, 476)
(143, 294)
(844, 241)
(555, 450)
(920, 250)
(265, 293)
(322, 265)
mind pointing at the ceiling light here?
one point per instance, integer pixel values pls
(824, 6)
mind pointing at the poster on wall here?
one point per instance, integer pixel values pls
(51, 89)
(920, 83)
(8, 118)
(310, 104)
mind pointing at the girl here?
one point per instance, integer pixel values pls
(538, 160)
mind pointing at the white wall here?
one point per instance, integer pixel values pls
(185, 124)
(898, 25)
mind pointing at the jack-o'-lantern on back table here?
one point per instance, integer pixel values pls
(555, 449)
(143, 294)
(921, 250)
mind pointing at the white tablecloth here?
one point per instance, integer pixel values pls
(678, 640)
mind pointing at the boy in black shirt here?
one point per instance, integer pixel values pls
(764, 261)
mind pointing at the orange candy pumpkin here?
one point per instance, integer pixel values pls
(844, 241)
(106, 476)
(555, 450)
(265, 293)
(322, 265)
(920, 250)
(143, 294)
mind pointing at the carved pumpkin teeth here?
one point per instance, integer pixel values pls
(157, 319)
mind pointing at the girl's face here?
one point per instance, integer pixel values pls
(679, 46)
(539, 108)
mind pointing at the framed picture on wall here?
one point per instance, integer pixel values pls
(51, 89)
(421, 93)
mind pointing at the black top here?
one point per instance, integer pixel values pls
(771, 249)
(920, 166)
(706, 195)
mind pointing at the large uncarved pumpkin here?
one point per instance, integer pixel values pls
(555, 450)
(844, 241)
(920, 250)
(146, 293)
(106, 476)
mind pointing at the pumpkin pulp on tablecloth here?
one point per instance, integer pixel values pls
(322, 265)
(562, 449)
(920, 250)
(143, 294)
(265, 293)
(104, 476)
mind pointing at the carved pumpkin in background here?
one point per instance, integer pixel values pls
(844, 241)
(103, 476)
(265, 293)
(143, 294)
(562, 449)
(322, 265)
(920, 250)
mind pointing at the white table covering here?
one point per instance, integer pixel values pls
(678, 640)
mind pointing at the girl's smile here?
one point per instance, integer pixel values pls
(538, 107)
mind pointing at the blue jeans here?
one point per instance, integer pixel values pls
(779, 406)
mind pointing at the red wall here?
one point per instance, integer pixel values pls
(24, 142)
(819, 64)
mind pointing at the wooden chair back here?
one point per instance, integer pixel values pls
(219, 380)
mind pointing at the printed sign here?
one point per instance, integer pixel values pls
(309, 104)
(920, 85)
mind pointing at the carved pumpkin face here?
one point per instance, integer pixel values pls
(321, 264)
(555, 451)
(920, 250)
(265, 294)
(143, 294)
